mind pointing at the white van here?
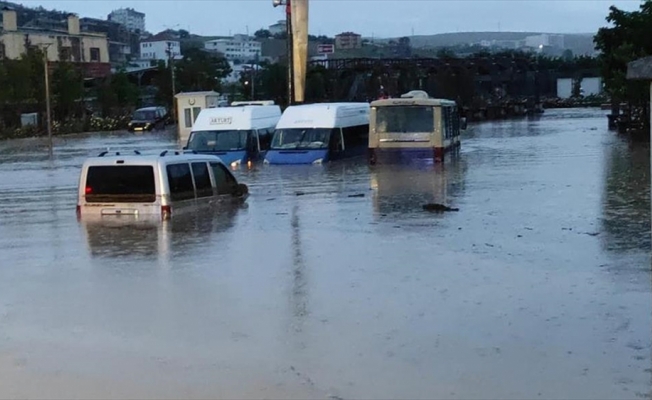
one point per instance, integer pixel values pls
(316, 133)
(235, 134)
(153, 184)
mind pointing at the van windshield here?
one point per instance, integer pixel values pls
(301, 138)
(218, 140)
(144, 115)
(120, 184)
(405, 119)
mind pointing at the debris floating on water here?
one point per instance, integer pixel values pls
(434, 207)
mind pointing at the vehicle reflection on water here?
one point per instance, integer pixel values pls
(153, 238)
(404, 188)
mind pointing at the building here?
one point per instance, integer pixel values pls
(71, 45)
(130, 18)
(123, 44)
(189, 105)
(278, 28)
(545, 40)
(158, 47)
(238, 48)
(348, 41)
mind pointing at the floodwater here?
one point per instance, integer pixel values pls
(539, 287)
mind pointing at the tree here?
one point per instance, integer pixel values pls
(200, 70)
(117, 95)
(445, 53)
(67, 91)
(316, 83)
(626, 40)
(272, 82)
(262, 34)
(163, 84)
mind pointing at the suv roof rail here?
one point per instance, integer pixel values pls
(164, 153)
(117, 153)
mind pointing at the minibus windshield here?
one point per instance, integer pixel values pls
(301, 138)
(233, 140)
(405, 119)
(120, 184)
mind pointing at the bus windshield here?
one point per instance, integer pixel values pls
(234, 140)
(301, 138)
(405, 119)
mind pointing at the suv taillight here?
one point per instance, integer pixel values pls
(166, 211)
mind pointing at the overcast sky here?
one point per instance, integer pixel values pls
(380, 18)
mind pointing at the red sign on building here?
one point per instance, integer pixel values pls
(326, 49)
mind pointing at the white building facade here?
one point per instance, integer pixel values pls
(156, 49)
(239, 48)
(278, 28)
(545, 40)
(132, 19)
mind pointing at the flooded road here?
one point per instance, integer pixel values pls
(539, 287)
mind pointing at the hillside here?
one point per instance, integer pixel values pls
(579, 43)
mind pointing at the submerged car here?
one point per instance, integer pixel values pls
(154, 185)
(148, 119)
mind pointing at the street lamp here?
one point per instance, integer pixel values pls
(288, 28)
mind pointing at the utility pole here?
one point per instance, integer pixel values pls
(253, 82)
(290, 50)
(48, 112)
(174, 89)
(254, 71)
(288, 29)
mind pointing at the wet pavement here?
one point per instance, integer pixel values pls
(539, 287)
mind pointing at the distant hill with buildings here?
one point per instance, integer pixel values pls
(578, 43)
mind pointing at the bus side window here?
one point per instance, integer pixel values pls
(225, 183)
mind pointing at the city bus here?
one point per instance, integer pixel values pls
(414, 125)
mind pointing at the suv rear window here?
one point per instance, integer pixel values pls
(120, 184)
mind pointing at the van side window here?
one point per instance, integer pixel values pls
(225, 183)
(180, 181)
(202, 179)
